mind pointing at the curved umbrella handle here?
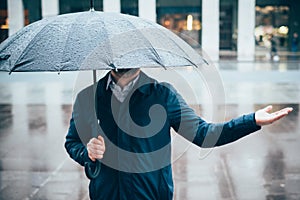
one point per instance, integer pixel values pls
(92, 170)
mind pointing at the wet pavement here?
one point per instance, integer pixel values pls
(34, 114)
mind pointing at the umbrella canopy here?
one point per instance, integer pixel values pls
(94, 40)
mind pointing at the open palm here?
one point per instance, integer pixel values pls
(264, 117)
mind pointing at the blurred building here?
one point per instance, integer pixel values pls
(239, 27)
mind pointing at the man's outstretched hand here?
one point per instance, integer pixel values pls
(264, 117)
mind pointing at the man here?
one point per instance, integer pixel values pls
(273, 49)
(295, 42)
(134, 155)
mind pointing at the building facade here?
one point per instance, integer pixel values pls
(236, 28)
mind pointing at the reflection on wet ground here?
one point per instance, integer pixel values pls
(33, 162)
(264, 165)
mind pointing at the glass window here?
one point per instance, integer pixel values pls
(71, 6)
(33, 11)
(182, 17)
(3, 20)
(130, 7)
(228, 25)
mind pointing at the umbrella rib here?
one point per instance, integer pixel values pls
(183, 50)
(172, 53)
(29, 44)
(175, 43)
(108, 61)
(159, 61)
(66, 41)
(14, 38)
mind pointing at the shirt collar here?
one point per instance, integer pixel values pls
(145, 89)
(111, 81)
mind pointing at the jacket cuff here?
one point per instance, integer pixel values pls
(86, 157)
(249, 119)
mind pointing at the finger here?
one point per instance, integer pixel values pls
(288, 109)
(278, 116)
(268, 108)
(283, 111)
(96, 151)
(95, 145)
(95, 148)
(280, 112)
(99, 157)
(95, 156)
(91, 157)
(100, 138)
(96, 141)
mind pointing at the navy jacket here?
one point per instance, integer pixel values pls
(137, 161)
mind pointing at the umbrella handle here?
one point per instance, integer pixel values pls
(92, 170)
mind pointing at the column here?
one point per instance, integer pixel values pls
(112, 5)
(50, 8)
(246, 25)
(210, 28)
(147, 9)
(15, 16)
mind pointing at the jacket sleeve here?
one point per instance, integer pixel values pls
(74, 145)
(81, 126)
(187, 123)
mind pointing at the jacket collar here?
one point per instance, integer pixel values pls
(144, 83)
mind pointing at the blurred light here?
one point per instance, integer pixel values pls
(259, 31)
(283, 30)
(167, 23)
(5, 26)
(189, 25)
(270, 8)
(196, 25)
(257, 8)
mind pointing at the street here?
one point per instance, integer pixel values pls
(35, 109)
